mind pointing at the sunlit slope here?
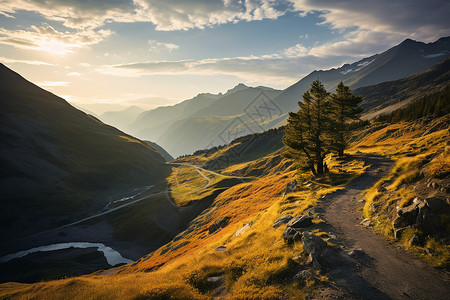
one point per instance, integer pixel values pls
(58, 163)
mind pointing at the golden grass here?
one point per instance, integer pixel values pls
(411, 151)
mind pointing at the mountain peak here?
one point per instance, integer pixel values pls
(237, 88)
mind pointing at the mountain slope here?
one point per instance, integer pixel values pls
(405, 59)
(58, 163)
(151, 124)
(161, 150)
(225, 119)
(122, 118)
(387, 96)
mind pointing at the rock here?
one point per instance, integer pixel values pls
(408, 212)
(243, 229)
(290, 187)
(433, 184)
(428, 221)
(214, 279)
(399, 231)
(304, 276)
(314, 246)
(356, 253)
(290, 235)
(414, 240)
(221, 249)
(437, 205)
(366, 223)
(300, 221)
(399, 223)
(282, 220)
(219, 223)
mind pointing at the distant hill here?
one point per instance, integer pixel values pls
(58, 163)
(231, 116)
(387, 96)
(161, 150)
(121, 118)
(149, 125)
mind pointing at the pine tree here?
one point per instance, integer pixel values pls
(344, 108)
(305, 133)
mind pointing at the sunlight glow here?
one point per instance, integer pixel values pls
(54, 46)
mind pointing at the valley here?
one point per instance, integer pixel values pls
(202, 199)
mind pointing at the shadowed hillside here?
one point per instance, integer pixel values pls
(59, 164)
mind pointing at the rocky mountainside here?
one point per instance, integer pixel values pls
(407, 58)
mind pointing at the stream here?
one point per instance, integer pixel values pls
(112, 256)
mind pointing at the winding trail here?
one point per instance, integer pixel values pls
(379, 270)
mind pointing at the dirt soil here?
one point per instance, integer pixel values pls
(369, 267)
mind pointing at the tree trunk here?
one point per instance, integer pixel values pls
(319, 166)
(341, 152)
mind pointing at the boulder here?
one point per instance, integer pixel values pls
(428, 221)
(438, 205)
(281, 220)
(243, 229)
(290, 235)
(304, 276)
(219, 223)
(290, 187)
(314, 246)
(408, 214)
(300, 221)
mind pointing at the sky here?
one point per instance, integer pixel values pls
(109, 54)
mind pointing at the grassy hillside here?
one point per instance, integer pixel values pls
(59, 164)
(420, 149)
(256, 263)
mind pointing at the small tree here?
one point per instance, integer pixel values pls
(344, 108)
(306, 131)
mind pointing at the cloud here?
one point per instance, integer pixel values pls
(417, 19)
(73, 74)
(46, 38)
(159, 46)
(24, 61)
(53, 83)
(274, 69)
(165, 15)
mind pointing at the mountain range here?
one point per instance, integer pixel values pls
(209, 120)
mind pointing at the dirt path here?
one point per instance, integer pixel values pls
(378, 270)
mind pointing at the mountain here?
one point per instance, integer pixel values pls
(151, 124)
(60, 164)
(235, 114)
(388, 96)
(161, 150)
(122, 118)
(407, 58)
